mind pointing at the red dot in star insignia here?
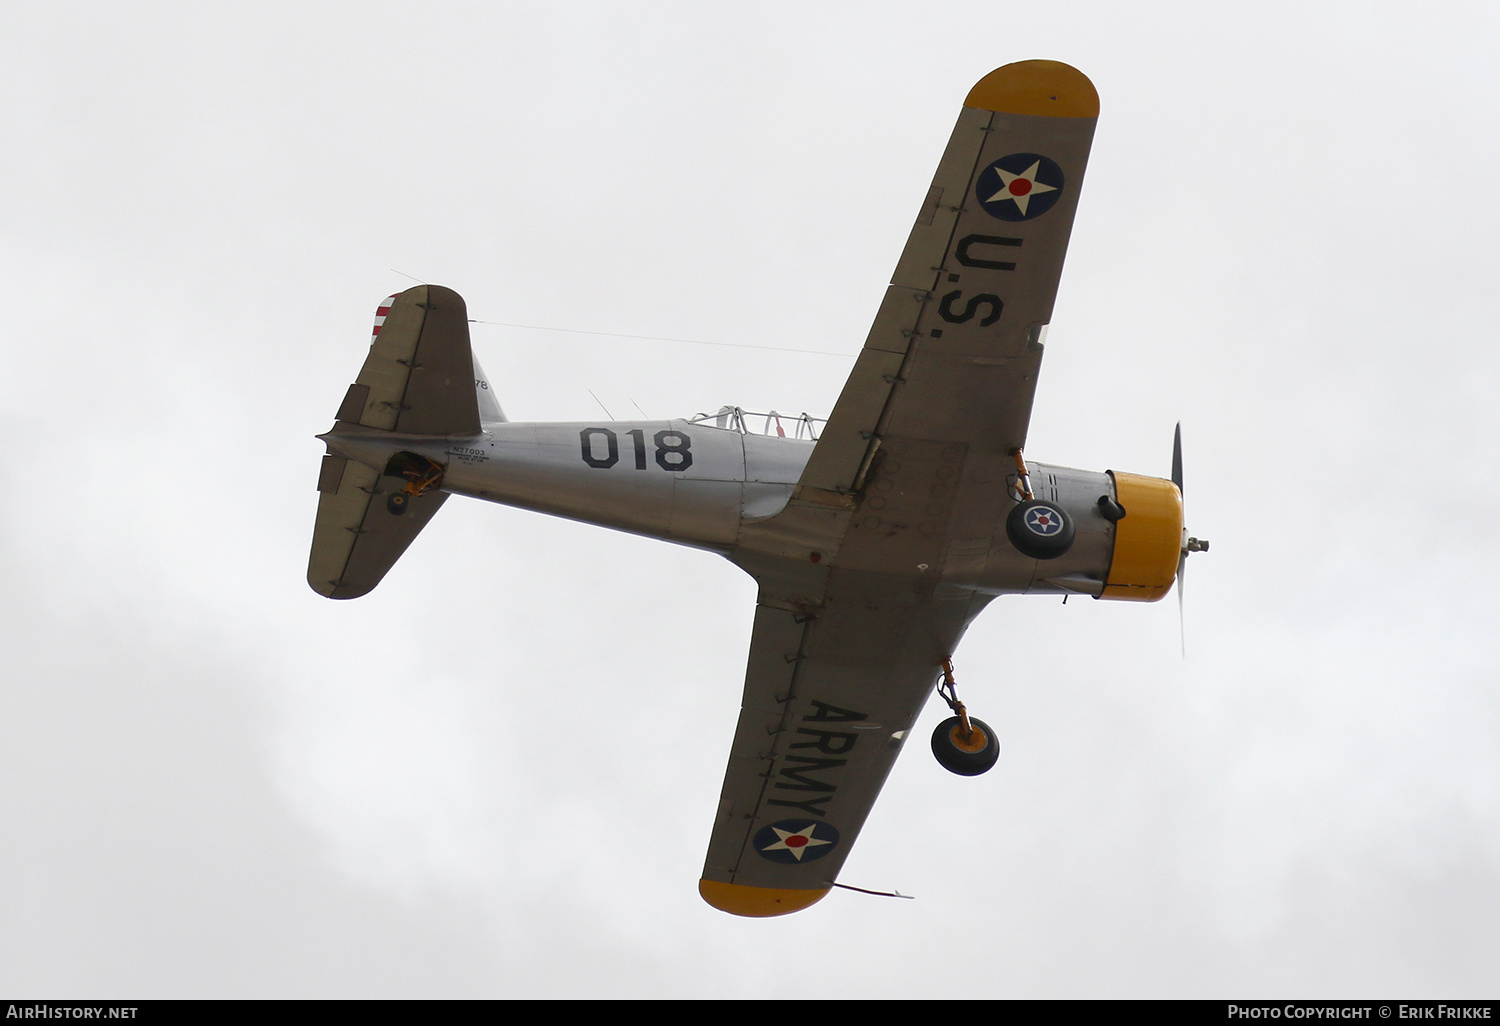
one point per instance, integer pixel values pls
(1019, 186)
(795, 841)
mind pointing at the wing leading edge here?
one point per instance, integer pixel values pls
(906, 483)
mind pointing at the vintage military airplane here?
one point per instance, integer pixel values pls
(875, 540)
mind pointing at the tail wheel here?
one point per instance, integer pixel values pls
(966, 756)
(396, 504)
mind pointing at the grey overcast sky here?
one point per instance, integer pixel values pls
(495, 775)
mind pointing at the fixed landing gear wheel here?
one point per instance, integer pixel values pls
(1041, 530)
(966, 757)
(396, 504)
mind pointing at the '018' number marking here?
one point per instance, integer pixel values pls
(672, 448)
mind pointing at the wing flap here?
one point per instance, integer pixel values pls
(836, 459)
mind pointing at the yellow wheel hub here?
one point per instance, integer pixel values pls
(976, 741)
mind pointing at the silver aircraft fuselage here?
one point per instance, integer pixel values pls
(699, 485)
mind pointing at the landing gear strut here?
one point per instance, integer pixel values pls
(422, 475)
(961, 743)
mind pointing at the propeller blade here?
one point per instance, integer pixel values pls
(1177, 456)
(1181, 617)
(1181, 559)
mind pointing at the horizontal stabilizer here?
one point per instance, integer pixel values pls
(356, 538)
(419, 378)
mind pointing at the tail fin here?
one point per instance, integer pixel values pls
(419, 378)
(489, 406)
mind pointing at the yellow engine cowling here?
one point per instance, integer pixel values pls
(1148, 540)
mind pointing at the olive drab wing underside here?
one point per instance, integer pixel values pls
(828, 703)
(907, 482)
(954, 350)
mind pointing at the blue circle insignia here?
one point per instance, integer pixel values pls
(1043, 520)
(795, 840)
(1019, 187)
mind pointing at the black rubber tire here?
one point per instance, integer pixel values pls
(945, 747)
(396, 504)
(1041, 530)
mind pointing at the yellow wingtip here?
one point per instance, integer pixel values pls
(757, 902)
(1048, 88)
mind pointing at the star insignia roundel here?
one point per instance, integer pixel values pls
(1043, 521)
(1019, 187)
(795, 840)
